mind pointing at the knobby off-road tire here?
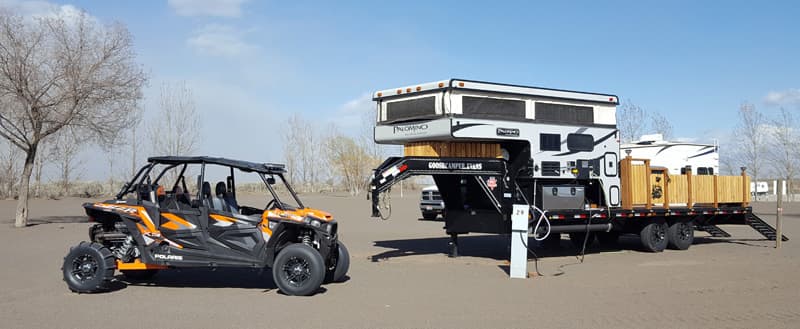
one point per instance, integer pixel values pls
(680, 235)
(654, 237)
(338, 271)
(88, 268)
(139, 275)
(298, 270)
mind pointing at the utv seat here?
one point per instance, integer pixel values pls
(218, 200)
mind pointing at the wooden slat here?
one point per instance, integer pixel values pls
(453, 149)
(625, 173)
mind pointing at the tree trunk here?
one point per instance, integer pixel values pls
(24, 187)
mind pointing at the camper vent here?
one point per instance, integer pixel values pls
(551, 168)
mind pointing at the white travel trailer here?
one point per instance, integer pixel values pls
(703, 159)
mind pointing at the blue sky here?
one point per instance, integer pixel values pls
(253, 63)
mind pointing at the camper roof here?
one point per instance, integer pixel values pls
(463, 84)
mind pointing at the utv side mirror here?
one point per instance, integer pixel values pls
(271, 180)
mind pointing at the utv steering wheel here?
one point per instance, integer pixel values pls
(271, 204)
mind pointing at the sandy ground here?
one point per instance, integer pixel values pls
(400, 277)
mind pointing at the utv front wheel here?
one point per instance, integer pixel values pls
(298, 270)
(88, 268)
(337, 272)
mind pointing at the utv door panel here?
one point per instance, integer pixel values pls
(236, 238)
(183, 228)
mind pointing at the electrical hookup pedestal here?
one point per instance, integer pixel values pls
(519, 241)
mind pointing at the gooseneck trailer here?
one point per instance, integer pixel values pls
(493, 149)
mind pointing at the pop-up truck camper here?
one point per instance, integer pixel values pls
(513, 159)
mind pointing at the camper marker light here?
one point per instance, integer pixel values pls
(419, 88)
(399, 91)
(380, 94)
(402, 168)
(408, 90)
(460, 84)
(441, 84)
(574, 171)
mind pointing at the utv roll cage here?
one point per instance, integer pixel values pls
(141, 183)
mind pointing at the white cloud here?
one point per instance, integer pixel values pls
(220, 40)
(785, 97)
(355, 113)
(219, 8)
(44, 9)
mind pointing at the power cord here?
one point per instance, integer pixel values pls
(535, 257)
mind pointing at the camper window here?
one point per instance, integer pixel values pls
(705, 170)
(481, 107)
(549, 142)
(562, 113)
(580, 142)
(411, 109)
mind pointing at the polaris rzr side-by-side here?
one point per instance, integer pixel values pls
(163, 219)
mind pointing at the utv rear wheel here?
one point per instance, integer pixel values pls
(139, 275)
(88, 268)
(337, 272)
(298, 270)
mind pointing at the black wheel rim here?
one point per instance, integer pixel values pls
(658, 234)
(296, 271)
(685, 232)
(84, 268)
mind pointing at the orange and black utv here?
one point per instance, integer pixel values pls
(156, 222)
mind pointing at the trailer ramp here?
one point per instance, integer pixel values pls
(714, 230)
(763, 228)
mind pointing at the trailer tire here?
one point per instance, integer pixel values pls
(680, 235)
(577, 238)
(654, 236)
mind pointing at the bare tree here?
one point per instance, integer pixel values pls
(62, 71)
(9, 169)
(302, 145)
(291, 138)
(631, 121)
(783, 149)
(661, 125)
(349, 160)
(750, 135)
(64, 155)
(175, 130)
